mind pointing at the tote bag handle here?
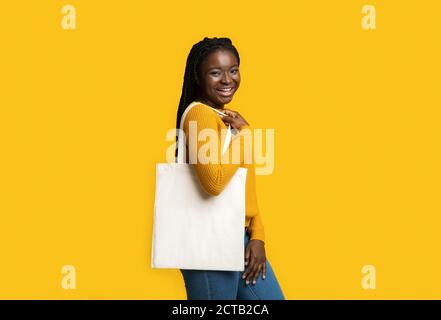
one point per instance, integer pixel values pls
(181, 140)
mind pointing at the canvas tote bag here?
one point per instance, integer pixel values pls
(191, 228)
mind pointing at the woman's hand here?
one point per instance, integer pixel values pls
(234, 119)
(255, 260)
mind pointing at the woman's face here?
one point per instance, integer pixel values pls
(219, 77)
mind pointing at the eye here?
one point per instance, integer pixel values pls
(234, 71)
(215, 73)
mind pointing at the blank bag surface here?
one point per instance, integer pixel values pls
(193, 229)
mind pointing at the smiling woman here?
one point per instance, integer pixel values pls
(219, 75)
(211, 79)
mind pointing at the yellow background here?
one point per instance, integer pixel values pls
(356, 115)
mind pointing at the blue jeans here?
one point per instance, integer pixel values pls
(229, 285)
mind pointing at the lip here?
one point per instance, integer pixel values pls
(225, 93)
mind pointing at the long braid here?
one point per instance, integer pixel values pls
(198, 53)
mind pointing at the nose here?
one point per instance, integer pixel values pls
(226, 79)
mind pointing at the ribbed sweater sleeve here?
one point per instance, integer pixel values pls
(256, 224)
(213, 177)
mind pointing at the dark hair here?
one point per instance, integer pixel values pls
(197, 54)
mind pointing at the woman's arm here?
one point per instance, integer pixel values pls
(213, 177)
(256, 224)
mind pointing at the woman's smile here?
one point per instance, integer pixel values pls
(226, 92)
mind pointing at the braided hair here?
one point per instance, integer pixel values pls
(199, 51)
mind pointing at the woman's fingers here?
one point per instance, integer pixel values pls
(231, 113)
(228, 119)
(247, 255)
(235, 116)
(252, 273)
(256, 274)
(232, 121)
(249, 269)
(247, 262)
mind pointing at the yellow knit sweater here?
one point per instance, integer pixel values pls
(214, 177)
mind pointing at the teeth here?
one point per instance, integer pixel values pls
(226, 90)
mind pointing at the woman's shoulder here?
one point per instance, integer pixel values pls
(200, 110)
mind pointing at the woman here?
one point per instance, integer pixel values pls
(211, 78)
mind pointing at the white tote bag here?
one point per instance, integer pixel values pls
(191, 228)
